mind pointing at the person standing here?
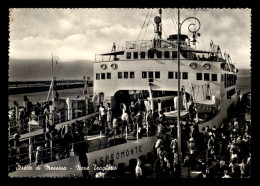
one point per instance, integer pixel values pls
(149, 123)
(159, 105)
(109, 116)
(125, 120)
(138, 169)
(103, 115)
(132, 111)
(192, 150)
(39, 156)
(139, 107)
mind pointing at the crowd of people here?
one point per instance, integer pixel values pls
(222, 152)
(53, 145)
(218, 152)
(29, 111)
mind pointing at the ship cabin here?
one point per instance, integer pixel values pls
(130, 72)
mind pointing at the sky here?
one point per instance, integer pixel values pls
(79, 34)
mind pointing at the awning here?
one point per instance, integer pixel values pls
(113, 53)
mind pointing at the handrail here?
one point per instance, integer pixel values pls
(41, 118)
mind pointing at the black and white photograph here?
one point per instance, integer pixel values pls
(134, 93)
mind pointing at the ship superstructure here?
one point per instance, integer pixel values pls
(206, 77)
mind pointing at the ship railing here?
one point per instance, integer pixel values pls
(138, 44)
(20, 126)
(101, 58)
(49, 154)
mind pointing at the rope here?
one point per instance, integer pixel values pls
(143, 25)
(147, 24)
(172, 16)
(164, 33)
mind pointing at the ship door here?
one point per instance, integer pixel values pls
(121, 96)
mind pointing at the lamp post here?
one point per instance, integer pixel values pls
(178, 60)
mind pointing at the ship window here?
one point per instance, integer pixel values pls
(135, 55)
(132, 74)
(109, 75)
(199, 76)
(125, 75)
(150, 74)
(174, 54)
(157, 75)
(176, 75)
(170, 75)
(103, 76)
(159, 54)
(119, 75)
(206, 76)
(166, 54)
(214, 77)
(97, 76)
(128, 55)
(222, 77)
(150, 54)
(142, 55)
(144, 74)
(185, 75)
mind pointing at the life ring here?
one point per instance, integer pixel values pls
(104, 66)
(114, 66)
(235, 70)
(206, 66)
(193, 65)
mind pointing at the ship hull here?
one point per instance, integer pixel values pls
(71, 166)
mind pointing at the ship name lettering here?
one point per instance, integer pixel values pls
(120, 155)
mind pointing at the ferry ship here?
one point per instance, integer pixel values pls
(148, 70)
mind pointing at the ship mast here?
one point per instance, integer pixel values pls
(158, 30)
